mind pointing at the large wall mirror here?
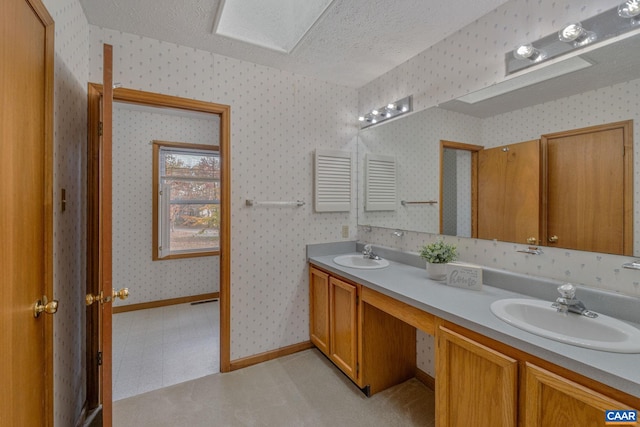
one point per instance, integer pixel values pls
(605, 90)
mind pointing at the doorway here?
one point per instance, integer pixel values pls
(163, 333)
(97, 375)
(458, 188)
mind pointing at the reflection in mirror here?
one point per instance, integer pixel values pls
(605, 92)
(455, 219)
(458, 188)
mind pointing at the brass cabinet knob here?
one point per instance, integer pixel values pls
(553, 239)
(532, 240)
(122, 293)
(49, 307)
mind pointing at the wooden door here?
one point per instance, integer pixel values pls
(343, 326)
(319, 309)
(99, 238)
(475, 385)
(589, 189)
(554, 401)
(509, 193)
(105, 212)
(26, 217)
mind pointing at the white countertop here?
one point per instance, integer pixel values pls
(470, 309)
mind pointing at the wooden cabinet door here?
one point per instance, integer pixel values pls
(319, 309)
(589, 189)
(554, 401)
(475, 385)
(343, 308)
(509, 192)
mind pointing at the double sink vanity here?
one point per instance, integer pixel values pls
(492, 366)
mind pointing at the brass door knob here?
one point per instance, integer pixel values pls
(49, 307)
(553, 239)
(91, 298)
(122, 293)
(532, 240)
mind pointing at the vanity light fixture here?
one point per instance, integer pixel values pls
(393, 109)
(614, 22)
(629, 9)
(576, 34)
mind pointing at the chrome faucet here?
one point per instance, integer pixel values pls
(368, 253)
(568, 303)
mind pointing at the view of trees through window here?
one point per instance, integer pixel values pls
(193, 177)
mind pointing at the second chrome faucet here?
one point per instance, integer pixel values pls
(567, 302)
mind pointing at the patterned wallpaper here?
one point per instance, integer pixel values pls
(70, 136)
(147, 280)
(277, 120)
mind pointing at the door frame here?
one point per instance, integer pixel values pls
(95, 93)
(473, 149)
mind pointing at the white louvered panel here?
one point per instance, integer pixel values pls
(333, 181)
(380, 194)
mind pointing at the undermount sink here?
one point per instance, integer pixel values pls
(358, 261)
(540, 318)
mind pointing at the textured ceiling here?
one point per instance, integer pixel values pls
(352, 43)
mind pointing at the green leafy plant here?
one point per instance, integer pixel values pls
(439, 252)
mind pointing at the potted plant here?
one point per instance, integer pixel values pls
(437, 255)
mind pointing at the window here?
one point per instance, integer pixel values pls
(186, 200)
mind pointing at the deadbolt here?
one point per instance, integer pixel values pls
(49, 307)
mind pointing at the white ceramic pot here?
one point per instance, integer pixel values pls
(436, 271)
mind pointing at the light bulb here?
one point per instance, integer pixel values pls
(629, 9)
(576, 34)
(527, 51)
(361, 118)
(570, 32)
(374, 121)
(375, 112)
(391, 106)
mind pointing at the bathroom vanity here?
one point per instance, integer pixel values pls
(488, 373)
